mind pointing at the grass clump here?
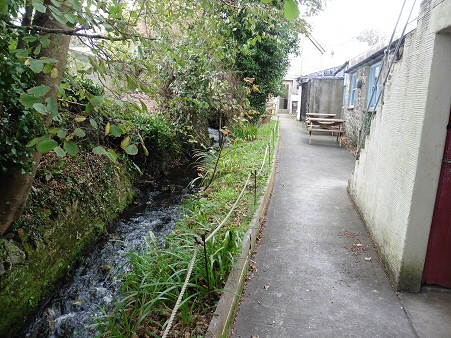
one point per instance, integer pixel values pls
(157, 273)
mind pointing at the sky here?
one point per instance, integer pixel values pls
(342, 20)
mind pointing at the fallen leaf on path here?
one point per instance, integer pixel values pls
(350, 234)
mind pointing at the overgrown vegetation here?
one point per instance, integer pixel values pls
(92, 88)
(191, 61)
(151, 289)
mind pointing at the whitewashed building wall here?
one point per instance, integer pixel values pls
(395, 180)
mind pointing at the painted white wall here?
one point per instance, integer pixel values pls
(395, 179)
(293, 95)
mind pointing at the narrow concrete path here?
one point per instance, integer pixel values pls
(317, 274)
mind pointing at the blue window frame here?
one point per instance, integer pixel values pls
(374, 85)
(352, 89)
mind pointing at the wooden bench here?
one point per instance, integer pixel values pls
(326, 125)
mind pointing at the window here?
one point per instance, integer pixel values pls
(374, 86)
(352, 89)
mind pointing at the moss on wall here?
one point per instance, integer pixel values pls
(65, 215)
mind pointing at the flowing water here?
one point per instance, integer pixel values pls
(73, 308)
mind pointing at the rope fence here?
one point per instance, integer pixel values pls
(216, 230)
(182, 292)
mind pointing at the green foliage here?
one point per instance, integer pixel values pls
(153, 284)
(264, 56)
(245, 131)
(190, 68)
(17, 125)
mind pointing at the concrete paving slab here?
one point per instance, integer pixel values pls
(430, 311)
(318, 274)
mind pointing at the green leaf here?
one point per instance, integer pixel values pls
(37, 50)
(52, 106)
(112, 155)
(291, 9)
(56, 11)
(47, 68)
(30, 38)
(125, 142)
(132, 149)
(36, 65)
(32, 142)
(38, 91)
(71, 148)
(93, 123)
(77, 5)
(39, 6)
(115, 130)
(22, 53)
(45, 42)
(99, 150)
(61, 133)
(96, 100)
(57, 4)
(28, 100)
(88, 108)
(79, 132)
(120, 103)
(146, 152)
(70, 18)
(46, 145)
(4, 8)
(59, 151)
(40, 108)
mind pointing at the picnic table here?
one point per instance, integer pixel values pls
(326, 125)
(325, 116)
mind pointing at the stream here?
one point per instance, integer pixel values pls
(74, 307)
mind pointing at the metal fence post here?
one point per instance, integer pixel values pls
(255, 187)
(269, 155)
(206, 262)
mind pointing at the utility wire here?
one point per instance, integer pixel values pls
(364, 127)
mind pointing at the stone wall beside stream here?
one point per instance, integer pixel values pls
(45, 245)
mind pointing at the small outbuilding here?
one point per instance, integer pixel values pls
(322, 92)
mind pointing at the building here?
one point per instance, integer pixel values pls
(402, 179)
(322, 92)
(288, 102)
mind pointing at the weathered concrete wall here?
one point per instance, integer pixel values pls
(395, 180)
(322, 96)
(305, 93)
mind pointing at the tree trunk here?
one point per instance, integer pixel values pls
(14, 193)
(15, 186)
